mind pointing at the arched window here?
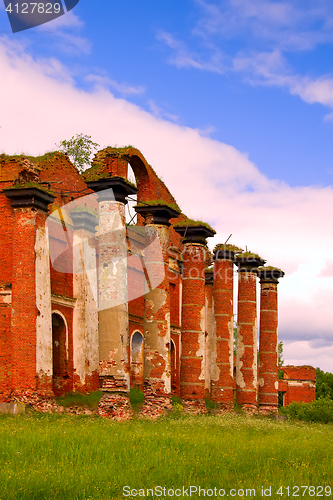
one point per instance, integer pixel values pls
(59, 352)
(137, 360)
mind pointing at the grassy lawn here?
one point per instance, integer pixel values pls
(46, 456)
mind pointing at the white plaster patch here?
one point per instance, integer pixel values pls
(254, 364)
(44, 363)
(201, 351)
(239, 363)
(5, 297)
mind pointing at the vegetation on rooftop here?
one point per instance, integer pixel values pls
(227, 247)
(169, 204)
(31, 184)
(248, 255)
(191, 222)
(270, 268)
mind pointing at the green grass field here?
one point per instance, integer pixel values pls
(46, 456)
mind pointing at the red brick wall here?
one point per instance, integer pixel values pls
(268, 373)
(246, 319)
(298, 384)
(191, 384)
(222, 389)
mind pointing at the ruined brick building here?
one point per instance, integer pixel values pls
(88, 302)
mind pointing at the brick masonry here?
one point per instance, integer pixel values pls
(177, 337)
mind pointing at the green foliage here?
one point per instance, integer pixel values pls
(136, 398)
(191, 222)
(211, 405)
(248, 255)
(320, 410)
(324, 384)
(79, 148)
(237, 407)
(269, 268)
(280, 354)
(227, 247)
(175, 400)
(169, 204)
(67, 457)
(90, 400)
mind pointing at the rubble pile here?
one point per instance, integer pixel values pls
(154, 407)
(115, 406)
(38, 401)
(194, 406)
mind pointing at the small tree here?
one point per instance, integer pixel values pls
(280, 353)
(79, 149)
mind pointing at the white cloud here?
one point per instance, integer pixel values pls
(68, 20)
(183, 58)
(104, 82)
(160, 112)
(212, 181)
(271, 68)
(299, 353)
(297, 25)
(280, 27)
(61, 32)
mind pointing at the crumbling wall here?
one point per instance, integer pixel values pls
(298, 384)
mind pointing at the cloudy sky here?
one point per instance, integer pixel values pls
(231, 101)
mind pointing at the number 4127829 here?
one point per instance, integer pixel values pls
(30, 8)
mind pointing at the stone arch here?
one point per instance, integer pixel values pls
(137, 360)
(59, 351)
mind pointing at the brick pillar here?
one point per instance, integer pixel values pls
(85, 316)
(192, 362)
(112, 280)
(246, 359)
(209, 327)
(156, 323)
(31, 305)
(268, 340)
(223, 333)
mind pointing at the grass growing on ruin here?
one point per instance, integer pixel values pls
(90, 400)
(78, 457)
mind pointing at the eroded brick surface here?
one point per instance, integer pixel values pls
(173, 334)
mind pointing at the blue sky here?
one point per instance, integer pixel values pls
(219, 66)
(230, 101)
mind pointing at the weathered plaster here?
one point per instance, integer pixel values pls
(215, 371)
(239, 363)
(85, 317)
(231, 345)
(254, 363)
(43, 304)
(112, 305)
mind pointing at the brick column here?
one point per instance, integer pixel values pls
(268, 340)
(223, 333)
(112, 280)
(209, 327)
(156, 323)
(192, 362)
(246, 359)
(85, 316)
(31, 304)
